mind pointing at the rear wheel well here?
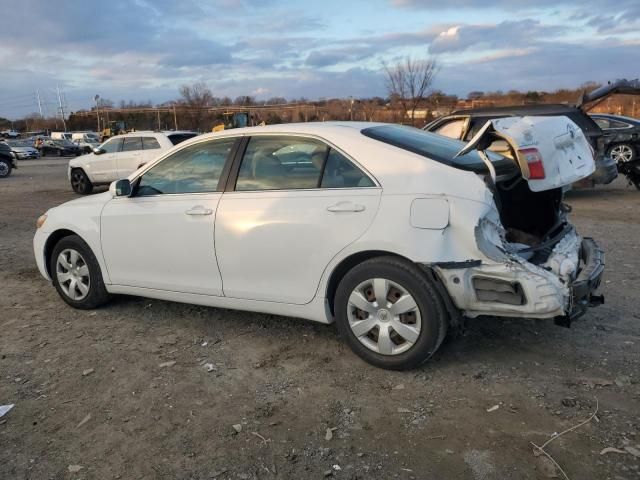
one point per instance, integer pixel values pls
(347, 264)
(53, 239)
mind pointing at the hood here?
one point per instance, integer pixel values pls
(23, 149)
(622, 86)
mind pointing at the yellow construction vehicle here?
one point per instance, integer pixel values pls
(116, 127)
(236, 120)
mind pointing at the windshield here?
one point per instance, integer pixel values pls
(436, 147)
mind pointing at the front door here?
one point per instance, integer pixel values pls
(162, 237)
(297, 203)
(103, 167)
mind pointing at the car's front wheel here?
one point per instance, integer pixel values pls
(80, 182)
(390, 313)
(76, 274)
(5, 168)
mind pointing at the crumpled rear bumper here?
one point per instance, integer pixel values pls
(586, 283)
(521, 289)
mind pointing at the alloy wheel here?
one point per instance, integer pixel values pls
(72, 273)
(622, 153)
(78, 181)
(4, 169)
(384, 316)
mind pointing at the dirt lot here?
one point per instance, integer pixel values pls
(91, 392)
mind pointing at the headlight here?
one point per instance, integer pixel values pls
(41, 220)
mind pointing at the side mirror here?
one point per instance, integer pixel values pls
(98, 151)
(122, 188)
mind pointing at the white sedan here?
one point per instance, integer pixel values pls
(394, 233)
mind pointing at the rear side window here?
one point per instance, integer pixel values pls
(176, 138)
(150, 143)
(112, 146)
(434, 147)
(131, 144)
(602, 122)
(452, 129)
(194, 169)
(291, 163)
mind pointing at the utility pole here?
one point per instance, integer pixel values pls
(175, 118)
(64, 123)
(97, 99)
(39, 103)
(158, 112)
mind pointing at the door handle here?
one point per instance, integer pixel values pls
(346, 207)
(199, 210)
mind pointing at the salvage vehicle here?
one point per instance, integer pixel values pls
(61, 148)
(23, 150)
(622, 140)
(119, 156)
(7, 160)
(463, 124)
(394, 233)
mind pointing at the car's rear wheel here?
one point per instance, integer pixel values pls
(5, 168)
(390, 313)
(80, 182)
(76, 274)
(622, 152)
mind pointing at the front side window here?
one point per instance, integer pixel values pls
(131, 144)
(194, 169)
(112, 146)
(292, 163)
(150, 143)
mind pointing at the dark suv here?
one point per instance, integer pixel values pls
(463, 124)
(7, 160)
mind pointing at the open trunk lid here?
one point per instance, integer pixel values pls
(551, 152)
(622, 86)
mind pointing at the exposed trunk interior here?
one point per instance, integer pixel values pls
(530, 218)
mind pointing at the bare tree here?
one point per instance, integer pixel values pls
(197, 98)
(408, 82)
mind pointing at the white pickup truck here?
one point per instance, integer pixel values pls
(120, 156)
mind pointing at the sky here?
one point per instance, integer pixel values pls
(145, 49)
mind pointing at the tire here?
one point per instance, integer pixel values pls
(5, 168)
(80, 182)
(81, 267)
(622, 152)
(427, 320)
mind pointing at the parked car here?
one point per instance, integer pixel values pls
(393, 232)
(622, 143)
(463, 124)
(7, 160)
(23, 150)
(9, 134)
(61, 148)
(61, 135)
(119, 156)
(87, 141)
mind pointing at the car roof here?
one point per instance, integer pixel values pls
(517, 110)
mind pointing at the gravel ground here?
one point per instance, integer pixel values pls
(145, 389)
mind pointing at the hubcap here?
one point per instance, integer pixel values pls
(384, 316)
(621, 153)
(4, 169)
(73, 274)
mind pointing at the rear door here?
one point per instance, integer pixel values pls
(295, 204)
(151, 149)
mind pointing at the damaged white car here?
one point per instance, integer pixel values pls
(395, 233)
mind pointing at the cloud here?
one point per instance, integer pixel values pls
(507, 34)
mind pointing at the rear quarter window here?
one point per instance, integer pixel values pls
(177, 138)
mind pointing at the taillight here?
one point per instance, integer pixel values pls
(534, 160)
